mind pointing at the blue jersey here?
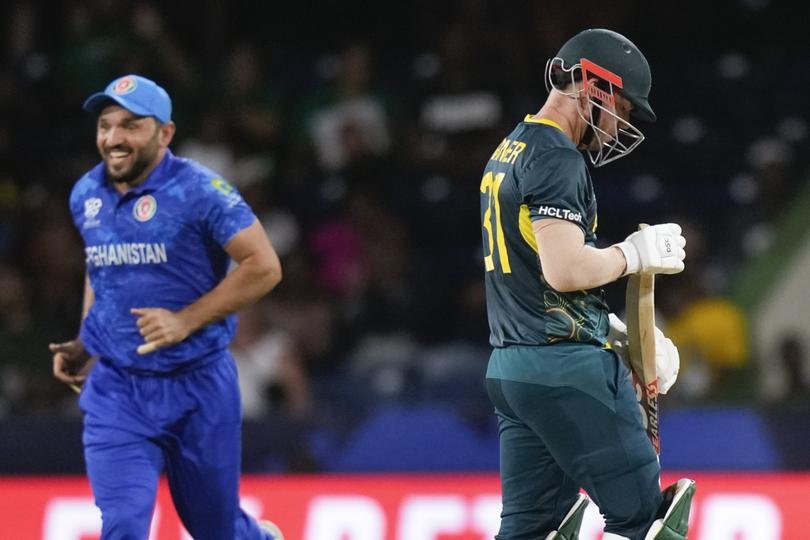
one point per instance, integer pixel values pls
(161, 244)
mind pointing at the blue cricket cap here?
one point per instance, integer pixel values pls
(136, 94)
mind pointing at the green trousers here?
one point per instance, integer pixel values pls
(568, 419)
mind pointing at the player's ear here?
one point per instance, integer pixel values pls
(166, 133)
(584, 102)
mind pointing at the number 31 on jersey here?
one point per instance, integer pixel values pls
(490, 186)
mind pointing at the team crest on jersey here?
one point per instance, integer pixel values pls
(92, 207)
(145, 208)
(125, 85)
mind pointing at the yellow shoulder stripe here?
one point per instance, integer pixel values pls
(532, 120)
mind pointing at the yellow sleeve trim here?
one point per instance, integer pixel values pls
(526, 229)
(533, 120)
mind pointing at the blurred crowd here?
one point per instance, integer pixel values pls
(358, 135)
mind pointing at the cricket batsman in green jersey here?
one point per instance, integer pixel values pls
(567, 414)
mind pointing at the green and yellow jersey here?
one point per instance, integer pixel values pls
(536, 173)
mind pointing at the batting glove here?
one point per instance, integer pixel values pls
(667, 359)
(657, 249)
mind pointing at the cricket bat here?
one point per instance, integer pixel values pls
(640, 307)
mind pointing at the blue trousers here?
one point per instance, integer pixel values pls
(138, 425)
(556, 439)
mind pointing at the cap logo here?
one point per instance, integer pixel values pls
(125, 85)
(145, 208)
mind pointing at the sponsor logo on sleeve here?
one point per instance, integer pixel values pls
(227, 191)
(560, 213)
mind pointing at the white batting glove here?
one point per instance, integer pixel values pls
(667, 359)
(657, 249)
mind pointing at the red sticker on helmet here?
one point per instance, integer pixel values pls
(589, 68)
(599, 71)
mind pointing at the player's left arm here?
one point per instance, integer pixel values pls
(258, 271)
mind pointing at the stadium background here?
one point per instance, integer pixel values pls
(358, 132)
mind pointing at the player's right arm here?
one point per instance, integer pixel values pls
(71, 363)
(258, 270)
(569, 264)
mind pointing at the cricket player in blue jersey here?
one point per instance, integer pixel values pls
(567, 413)
(162, 395)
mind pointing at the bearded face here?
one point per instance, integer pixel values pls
(128, 144)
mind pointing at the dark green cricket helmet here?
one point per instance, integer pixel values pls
(619, 55)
